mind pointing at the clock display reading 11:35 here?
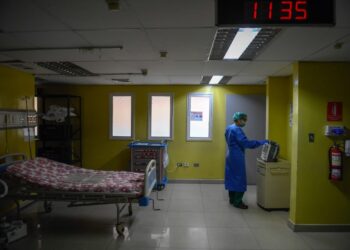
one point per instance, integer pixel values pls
(274, 12)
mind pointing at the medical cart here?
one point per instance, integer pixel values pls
(273, 184)
(144, 151)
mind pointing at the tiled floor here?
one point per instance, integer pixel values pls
(192, 216)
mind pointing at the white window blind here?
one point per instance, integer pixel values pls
(160, 116)
(122, 123)
(199, 116)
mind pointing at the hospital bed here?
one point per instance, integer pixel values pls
(45, 180)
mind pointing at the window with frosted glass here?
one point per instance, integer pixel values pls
(121, 116)
(199, 116)
(160, 116)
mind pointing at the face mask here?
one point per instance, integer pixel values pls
(242, 124)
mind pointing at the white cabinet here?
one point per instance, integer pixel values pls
(273, 184)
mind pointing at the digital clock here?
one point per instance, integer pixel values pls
(274, 12)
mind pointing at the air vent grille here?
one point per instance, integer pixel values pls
(224, 38)
(264, 37)
(66, 68)
(222, 42)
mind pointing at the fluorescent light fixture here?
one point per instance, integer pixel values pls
(215, 79)
(241, 42)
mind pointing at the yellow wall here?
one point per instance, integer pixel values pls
(278, 92)
(14, 85)
(100, 152)
(315, 199)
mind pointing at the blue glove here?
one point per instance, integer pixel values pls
(264, 142)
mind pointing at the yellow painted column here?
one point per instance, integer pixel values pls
(315, 199)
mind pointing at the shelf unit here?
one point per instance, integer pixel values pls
(60, 140)
(144, 151)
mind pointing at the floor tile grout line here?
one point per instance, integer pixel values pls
(205, 220)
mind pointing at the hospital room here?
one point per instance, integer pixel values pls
(175, 125)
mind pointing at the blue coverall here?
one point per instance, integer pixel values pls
(235, 172)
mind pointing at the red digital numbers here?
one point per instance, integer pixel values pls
(286, 10)
(270, 10)
(300, 8)
(255, 14)
(281, 9)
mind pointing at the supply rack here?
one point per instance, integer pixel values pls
(144, 151)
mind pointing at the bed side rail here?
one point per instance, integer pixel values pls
(150, 178)
(8, 159)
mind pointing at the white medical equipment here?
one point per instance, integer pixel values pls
(273, 184)
(270, 152)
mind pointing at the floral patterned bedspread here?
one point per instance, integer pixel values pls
(59, 176)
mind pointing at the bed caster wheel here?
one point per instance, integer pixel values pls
(161, 187)
(47, 207)
(120, 229)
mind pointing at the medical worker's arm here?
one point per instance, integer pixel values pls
(245, 143)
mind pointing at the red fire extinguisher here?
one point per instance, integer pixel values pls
(335, 163)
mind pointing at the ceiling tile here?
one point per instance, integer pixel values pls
(263, 68)
(5, 58)
(90, 14)
(149, 79)
(247, 80)
(52, 39)
(179, 13)
(294, 44)
(185, 79)
(285, 71)
(9, 41)
(179, 68)
(22, 15)
(342, 13)
(225, 67)
(183, 44)
(331, 53)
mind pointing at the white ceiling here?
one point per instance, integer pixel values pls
(183, 28)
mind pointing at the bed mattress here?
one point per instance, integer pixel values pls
(59, 176)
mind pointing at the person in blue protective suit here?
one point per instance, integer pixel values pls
(235, 172)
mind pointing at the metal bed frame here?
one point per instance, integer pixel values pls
(77, 199)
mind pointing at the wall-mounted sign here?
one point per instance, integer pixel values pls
(274, 12)
(335, 111)
(196, 116)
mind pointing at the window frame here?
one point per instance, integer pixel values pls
(188, 122)
(171, 137)
(132, 136)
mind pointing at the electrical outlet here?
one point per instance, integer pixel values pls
(179, 164)
(186, 164)
(196, 165)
